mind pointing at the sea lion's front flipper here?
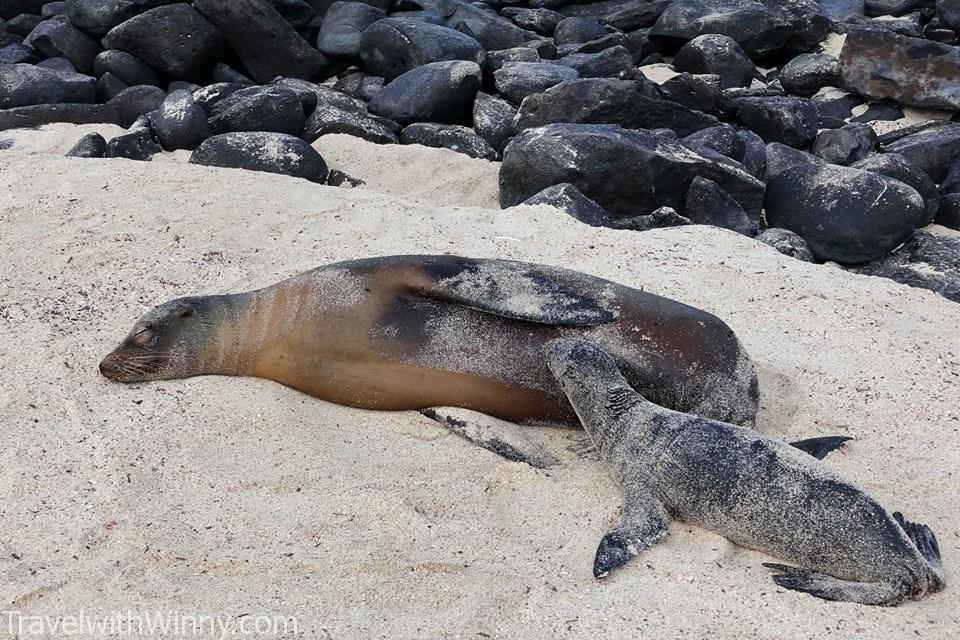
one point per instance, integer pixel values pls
(820, 447)
(515, 290)
(644, 524)
(829, 588)
(503, 438)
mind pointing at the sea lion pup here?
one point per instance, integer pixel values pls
(758, 492)
(409, 332)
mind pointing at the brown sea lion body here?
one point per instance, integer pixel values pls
(410, 332)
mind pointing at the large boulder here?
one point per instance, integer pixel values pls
(846, 215)
(337, 113)
(627, 172)
(266, 44)
(343, 27)
(612, 62)
(494, 32)
(913, 71)
(448, 136)
(632, 104)
(26, 84)
(846, 145)
(435, 92)
(932, 149)
(759, 29)
(133, 102)
(38, 115)
(717, 54)
(517, 80)
(173, 39)
(130, 69)
(808, 73)
(262, 151)
(97, 17)
(92, 145)
(785, 119)
(493, 120)
(927, 261)
(57, 38)
(180, 123)
(392, 47)
(267, 108)
(896, 166)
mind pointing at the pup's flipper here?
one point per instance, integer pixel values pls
(644, 524)
(926, 543)
(503, 438)
(829, 588)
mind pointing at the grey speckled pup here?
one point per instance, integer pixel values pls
(760, 493)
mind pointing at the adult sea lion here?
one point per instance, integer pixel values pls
(758, 492)
(409, 332)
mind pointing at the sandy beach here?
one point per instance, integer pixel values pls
(243, 497)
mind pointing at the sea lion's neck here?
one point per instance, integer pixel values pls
(240, 331)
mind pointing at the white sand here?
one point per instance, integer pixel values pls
(244, 497)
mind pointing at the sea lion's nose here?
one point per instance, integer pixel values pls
(104, 367)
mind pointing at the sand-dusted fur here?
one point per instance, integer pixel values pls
(758, 492)
(409, 332)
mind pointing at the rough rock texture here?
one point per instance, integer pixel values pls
(137, 144)
(435, 92)
(267, 45)
(92, 145)
(787, 242)
(846, 145)
(629, 103)
(719, 55)
(128, 68)
(267, 108)
(394, 46)
(932, 149)
(337, 113)
(343, 27)
(517, 80)
(807, 73)
(261, 151)
(97, 17)
(174, 39)
(760, 30)
(927, 261)
(708, 203)
(448, 136)
(56, 37)
(25, 84)
(492, 31)
(846, 215)
(912, 71)
(493, 120)
(896, 166)
(594, 159)
(180, 123)
(571, 201)
(789, 120)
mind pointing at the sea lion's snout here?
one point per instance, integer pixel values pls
(121, 366)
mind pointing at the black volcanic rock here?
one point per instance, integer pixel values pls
(759, 29)
(109, 86)
(391, 47)
(629, 103)
(268, 108)
(343, 27)
(846, 145)
(180, 123)
(716, 54)
(173, 39)
(927, 261)
(932, 149)
(491, 30)
(594, 157)
(896, 166)
(571, 201)
(436, 92)
(787, 242)
(40, 114)
(493, 120)
(575, 30)
(846, 215)
(448, 136)
(128, 68)
(266, 44)
(609, 63)
(91, 145)
(338, 113)
(913, 71)
(137, 144)
(517, 80)
(134, 102)
(708, 203)
(789, 120)
(26, 84)
(262, 151)
(56, 37)
(97, 17)
(541, 21)
(808, 73)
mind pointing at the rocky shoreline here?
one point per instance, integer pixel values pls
(829, 130)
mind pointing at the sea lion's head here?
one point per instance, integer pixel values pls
(170, 341)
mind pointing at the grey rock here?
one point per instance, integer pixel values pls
(926, 261)
(716, 54)
(91, 145)
(788, 243)
(343, 27)
(262, 151)
(268, 108)
(789, 120)
(56, 37)
(129, 68)
(180, 123)
(493, 120)
(391, 47)
(517, 80)
(448, 136)
(808, 73)
(898, 167)
(26, 84)
(436, 92)
(846, 145)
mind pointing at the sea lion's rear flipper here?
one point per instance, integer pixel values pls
(829, 588)
(644, 524)
(503, 438)
(515, 290)
(926, 543)
(820, 447)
